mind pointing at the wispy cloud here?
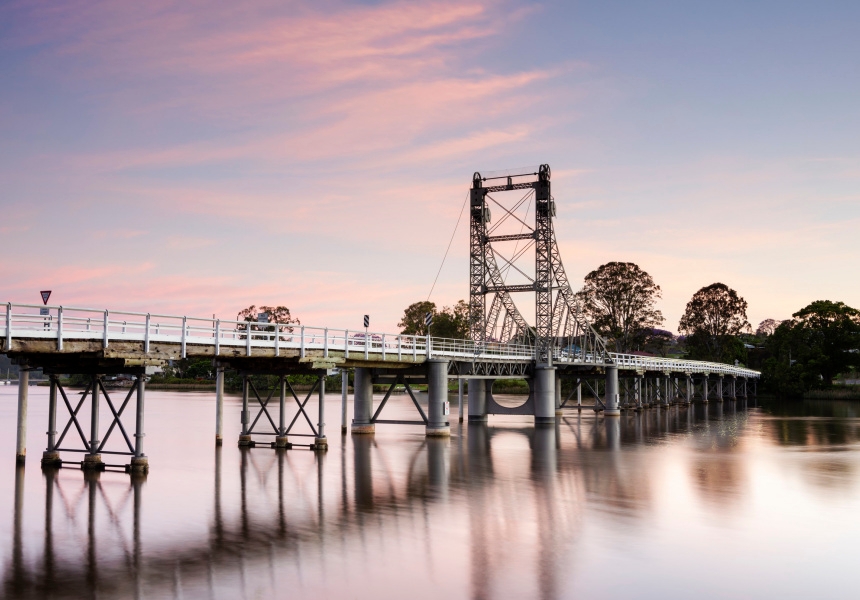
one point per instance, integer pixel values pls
(198, 157)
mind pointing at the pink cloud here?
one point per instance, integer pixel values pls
(318, 299)
(350, 43)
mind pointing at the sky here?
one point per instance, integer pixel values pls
(199, 157)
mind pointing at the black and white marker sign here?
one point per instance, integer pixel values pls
(428, 320)
(367, 320)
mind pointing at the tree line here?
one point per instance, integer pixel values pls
(808, 351)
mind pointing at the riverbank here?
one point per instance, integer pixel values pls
(842, 392)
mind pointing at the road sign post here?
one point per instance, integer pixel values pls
(428, 321)
(366, 325)
(45, 312)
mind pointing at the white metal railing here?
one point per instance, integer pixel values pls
(59, 323)
(676, 365)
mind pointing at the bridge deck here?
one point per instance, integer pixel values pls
(151, 339)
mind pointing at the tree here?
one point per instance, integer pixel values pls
(657, 341)
(620, 300)
(194, 368)
(821, 341)
(276, 314)
(713, 319)
(450, 322)
(767, 327)
(412, 322)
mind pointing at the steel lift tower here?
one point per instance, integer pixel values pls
(560, 325)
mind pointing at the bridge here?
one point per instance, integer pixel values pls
(561, 348)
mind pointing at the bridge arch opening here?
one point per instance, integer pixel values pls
(510, 393)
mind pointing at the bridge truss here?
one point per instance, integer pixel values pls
(561, 328)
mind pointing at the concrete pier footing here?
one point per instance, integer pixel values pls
(281, 441)
(558, 411)
(246, 441)
(362, 410)
(460, 385)
(437, 398)
(139, 464)
(362, 428)
(51, 459)
(612, 397)
(477, 403)
(93, 462)
(443, 431)
(544, 394)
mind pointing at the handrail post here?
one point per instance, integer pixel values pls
(366, 349)
(217, 337)
(277, 340)
(414, 349)
(248, 339)
(428, 347)
(105, 332)
(346, 343)
(302, 343)
(325, 343)
(399, 348)
(184, 330)
(383, 346)
(146, 335)
(60, 329)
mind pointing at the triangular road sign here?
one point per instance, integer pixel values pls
(45, 295)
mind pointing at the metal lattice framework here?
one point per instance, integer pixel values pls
(561, 329)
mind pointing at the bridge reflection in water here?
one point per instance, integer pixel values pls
(494, 510)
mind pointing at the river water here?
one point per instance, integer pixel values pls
(724, 501)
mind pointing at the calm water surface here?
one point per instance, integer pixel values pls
(728, 502)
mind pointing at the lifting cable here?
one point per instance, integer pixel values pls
(449, 246)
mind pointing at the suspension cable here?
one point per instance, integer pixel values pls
(449, 246)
